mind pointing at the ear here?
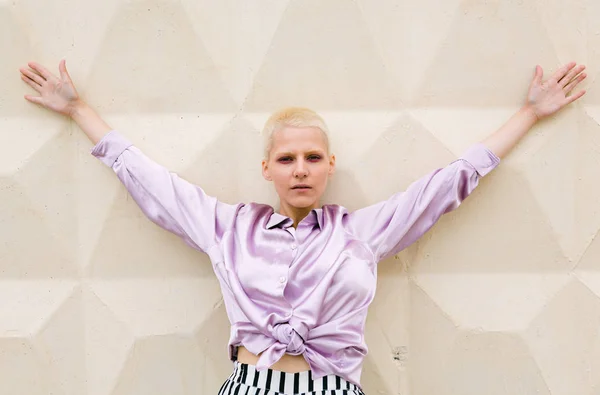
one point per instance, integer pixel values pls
(265, 170)
(331, 164)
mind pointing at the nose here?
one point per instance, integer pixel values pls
(301, 169)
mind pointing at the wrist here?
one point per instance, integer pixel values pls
(529, 112)
(77, 109)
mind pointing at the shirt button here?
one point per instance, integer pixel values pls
(294, 246)
(282, 279)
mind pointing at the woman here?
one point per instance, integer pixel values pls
(297, 282)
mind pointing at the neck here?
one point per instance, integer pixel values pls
(297, 214)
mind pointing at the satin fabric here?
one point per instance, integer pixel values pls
(305, 290)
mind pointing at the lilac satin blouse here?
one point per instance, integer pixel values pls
(301, 290)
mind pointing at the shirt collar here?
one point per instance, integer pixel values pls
(278, 220)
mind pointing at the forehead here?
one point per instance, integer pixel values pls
(291, 138)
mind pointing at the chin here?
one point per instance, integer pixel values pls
(302, 202)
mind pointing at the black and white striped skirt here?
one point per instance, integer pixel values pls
(245, 380)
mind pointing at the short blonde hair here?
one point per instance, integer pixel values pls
(292, 116)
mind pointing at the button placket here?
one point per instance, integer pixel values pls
(283, 278)
(294, 251)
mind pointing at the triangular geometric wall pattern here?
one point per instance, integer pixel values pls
(502, 296)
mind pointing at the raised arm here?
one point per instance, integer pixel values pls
(165, 198)
(392, 225)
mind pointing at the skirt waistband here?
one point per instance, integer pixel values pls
(284, 383)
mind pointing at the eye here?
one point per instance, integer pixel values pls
(314, 158)
(284, 159)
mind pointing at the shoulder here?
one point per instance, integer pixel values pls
(334, 209)
(259, 209)
(333, 214)
(253, 212)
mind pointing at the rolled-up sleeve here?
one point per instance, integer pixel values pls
(392, 225)
(165, 198)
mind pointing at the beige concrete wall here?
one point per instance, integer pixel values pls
(501, 297)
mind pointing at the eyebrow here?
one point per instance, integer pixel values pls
(313, 151)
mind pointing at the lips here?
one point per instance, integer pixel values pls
(301, 186)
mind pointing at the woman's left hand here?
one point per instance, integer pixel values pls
(546, 98)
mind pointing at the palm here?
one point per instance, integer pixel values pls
(56, 94)
(59, 95)
(548, 97)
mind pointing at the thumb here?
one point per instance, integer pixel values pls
(539, 74)
(34, 99)
(62, 67)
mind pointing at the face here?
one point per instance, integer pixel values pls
(299, 167)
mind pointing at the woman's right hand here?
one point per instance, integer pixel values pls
(56, 94)
(60, 95)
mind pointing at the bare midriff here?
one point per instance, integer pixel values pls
(288, 363)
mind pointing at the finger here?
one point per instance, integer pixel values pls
(561, 72)
(567, 79)
(569, 87)
(572, 98)
(33, 76)
(31, 83)
(34, 99)
(41, 70)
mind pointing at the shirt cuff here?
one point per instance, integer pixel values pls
(481, 158)
(110, 147)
